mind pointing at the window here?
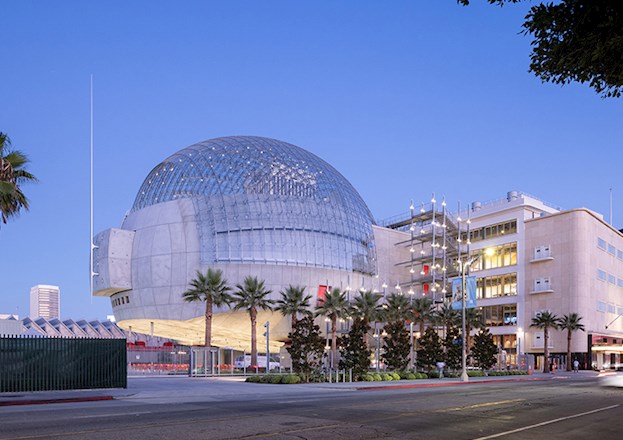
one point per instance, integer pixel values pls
(542, 284)
(497, 256)
(491, 231)
(612, 279)
(541, 252)
(619, 254)
(601, 306)
(611, 249)
(498, 315)
(619, 282)
(601, 275)
(611, 308)
(619, 310)
(601, 243)
(496, 286)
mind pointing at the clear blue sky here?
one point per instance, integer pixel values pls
(404, 98)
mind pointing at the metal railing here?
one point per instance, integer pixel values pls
(41, 364)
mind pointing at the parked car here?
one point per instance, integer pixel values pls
(245, 361)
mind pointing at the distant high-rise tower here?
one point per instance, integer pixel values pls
(45, 301)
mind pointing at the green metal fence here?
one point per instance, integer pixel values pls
(39, 364)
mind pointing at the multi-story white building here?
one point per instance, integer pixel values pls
(528, 257)
(45, 301)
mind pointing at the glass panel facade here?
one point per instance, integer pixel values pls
(496, 286)
(497, 256)
(260, 200)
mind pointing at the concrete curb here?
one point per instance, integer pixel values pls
(47, 401)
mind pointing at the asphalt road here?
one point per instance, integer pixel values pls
(568, 407)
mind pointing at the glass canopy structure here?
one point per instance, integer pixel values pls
(260, 200)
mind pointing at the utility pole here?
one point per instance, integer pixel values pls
(267, 334)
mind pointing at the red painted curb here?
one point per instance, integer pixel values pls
(446, 384)
(45, 401)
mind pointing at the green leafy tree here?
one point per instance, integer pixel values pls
(430, 350)
(355, 353)
(306, 347)
(576, 40)
(13, 175)
(484, 349)
(294, 302)
(212, 289)
(571, 323)
(252, 296)
(397, 347)
(544, 321)
(453, 346)
(334, 307)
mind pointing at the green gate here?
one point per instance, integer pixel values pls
(40, 364)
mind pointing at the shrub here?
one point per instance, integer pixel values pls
(368, 378)
(253, 379)
(395, 376)
(265, 379)
(275, 379)
(411, 376)
(387, 376)
(290, 379)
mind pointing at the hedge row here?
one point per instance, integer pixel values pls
(380, 377)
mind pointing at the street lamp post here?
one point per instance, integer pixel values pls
(464, 376)
(464, 264)
(412, 361)
(378, 347)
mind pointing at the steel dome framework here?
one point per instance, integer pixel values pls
(260, 200)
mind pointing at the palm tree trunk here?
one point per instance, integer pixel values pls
(294, 320)
(208, 332)
(334, 342)
(568, 350)
(253, 315)
(546, 350)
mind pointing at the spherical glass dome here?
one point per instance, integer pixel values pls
(261, 200)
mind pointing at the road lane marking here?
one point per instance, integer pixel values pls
(114, 415)
(549, 422)
(480, 405)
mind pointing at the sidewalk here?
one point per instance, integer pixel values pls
(162, 388)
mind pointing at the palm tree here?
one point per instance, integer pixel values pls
(212, 289)
(422, 312)
(251, 296)
(333, 306)
(571, 323)
(396, 309)
(294, 302)
(473, 320)
(367, 308)
(12, 175)
(545, 321)
(447, 316)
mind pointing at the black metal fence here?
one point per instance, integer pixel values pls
(39, 364)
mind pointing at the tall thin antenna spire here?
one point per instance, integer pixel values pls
(92, 246)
